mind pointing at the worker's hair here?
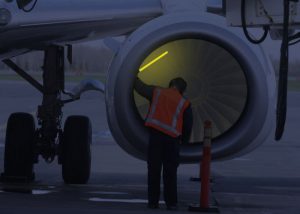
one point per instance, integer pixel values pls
(179, 83)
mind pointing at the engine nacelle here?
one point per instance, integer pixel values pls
(229, 82)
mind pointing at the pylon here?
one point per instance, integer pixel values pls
(204, 205)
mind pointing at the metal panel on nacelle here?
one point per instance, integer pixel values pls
(256, 15)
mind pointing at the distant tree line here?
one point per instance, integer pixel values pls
(96, 59)
(85, 59)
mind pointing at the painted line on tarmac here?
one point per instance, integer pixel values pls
(130, 201)
(32, 192)
(108, 193)
(41, 192)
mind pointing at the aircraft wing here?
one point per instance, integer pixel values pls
(69, 21)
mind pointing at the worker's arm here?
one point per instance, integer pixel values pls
(187, 125)
(143, 89)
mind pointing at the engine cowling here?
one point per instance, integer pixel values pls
(229, 82)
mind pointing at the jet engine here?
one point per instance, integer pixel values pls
(230, 82)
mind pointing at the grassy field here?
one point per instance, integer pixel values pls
(294, 85)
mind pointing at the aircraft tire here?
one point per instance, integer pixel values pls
(76, 153)
(19, 146)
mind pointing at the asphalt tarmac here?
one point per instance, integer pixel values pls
(264, 181)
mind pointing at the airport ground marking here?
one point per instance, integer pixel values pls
(154, 61)
(113, 200)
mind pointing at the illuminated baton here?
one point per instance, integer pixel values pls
(153, 61)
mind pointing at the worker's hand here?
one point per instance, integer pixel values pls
(137, 74)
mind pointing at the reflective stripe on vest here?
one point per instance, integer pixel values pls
(165, 126)
(170, 128)
(154, 104)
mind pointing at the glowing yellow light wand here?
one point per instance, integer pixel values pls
(153, 61)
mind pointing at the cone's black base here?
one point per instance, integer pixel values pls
(197, 208)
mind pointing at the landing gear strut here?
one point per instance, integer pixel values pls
(24, 144)
(50, 112)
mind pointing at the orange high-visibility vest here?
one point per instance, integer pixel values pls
(166, 111)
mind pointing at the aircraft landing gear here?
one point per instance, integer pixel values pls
(24, 143)
(76, 154)
(19, 145)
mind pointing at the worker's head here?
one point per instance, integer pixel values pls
(178, 83)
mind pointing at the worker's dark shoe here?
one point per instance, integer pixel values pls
(172, 207)
(153, 206)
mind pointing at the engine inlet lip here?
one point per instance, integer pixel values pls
(191, 30)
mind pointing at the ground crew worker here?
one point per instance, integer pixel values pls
(170, 122)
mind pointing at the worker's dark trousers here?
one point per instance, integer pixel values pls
(163, 152)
